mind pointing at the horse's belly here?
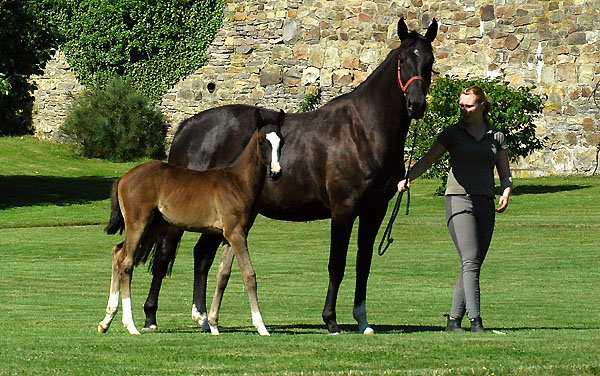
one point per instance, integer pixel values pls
(204, 221)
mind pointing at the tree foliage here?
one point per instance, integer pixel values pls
(513, 112)
(116, 123)
(26, 39)
(152, 43)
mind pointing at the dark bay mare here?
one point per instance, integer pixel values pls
(343, 161)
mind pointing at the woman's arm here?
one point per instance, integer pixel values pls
(505, 180)
(433, 155)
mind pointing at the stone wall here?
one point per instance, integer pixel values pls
(271, 53)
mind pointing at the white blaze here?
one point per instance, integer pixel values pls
(274, 140)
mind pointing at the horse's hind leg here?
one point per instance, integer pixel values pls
(113, 300)
(204, 255)
(165, 253)
(133, 238)
(223, 275)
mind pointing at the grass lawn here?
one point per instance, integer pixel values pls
(540, 286)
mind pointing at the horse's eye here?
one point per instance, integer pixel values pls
(416, 52)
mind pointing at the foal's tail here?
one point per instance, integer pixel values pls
(116, 222)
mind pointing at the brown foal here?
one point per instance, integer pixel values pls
(154, 195)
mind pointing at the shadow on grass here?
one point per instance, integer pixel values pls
(314, 329)
(536, 189)
(25, 190)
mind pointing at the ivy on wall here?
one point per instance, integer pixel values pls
(151, 43)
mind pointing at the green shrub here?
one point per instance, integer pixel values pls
(153, 43)
(116, 123)
(512, 111)
(311, 101)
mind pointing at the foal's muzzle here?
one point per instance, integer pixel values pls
(274, 175)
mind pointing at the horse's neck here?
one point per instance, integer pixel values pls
(248, 166)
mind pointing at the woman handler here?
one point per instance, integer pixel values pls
(475, 147)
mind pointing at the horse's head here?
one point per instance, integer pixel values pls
(270, 142)
(415, 61)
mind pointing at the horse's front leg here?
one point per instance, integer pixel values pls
(113, 299)
(165, 253)
(368, 226)
(204, 255)
(240, 249)
(341, 229)
(223, 275)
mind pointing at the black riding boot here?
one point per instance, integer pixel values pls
(453, 324)
(477, 325)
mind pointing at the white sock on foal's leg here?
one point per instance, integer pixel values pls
(128, 317)
(111, 311)
(259, 324)
(360, 315)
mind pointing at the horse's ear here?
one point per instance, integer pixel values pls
(432, 31)
(258, 120)
(402, 29)
(281, 118)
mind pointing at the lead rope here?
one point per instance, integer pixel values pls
(388, 230)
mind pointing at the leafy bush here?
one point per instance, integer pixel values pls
(153, 43)
(116, 123)
(26, 39)
(512, 111)
(311, 101)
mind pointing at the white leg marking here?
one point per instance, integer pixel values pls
(128, 317)
(111, 311)
(360, 315)
(200, 318)
(258, 323)
(275, 141)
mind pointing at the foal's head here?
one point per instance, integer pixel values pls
(270, 142)
(415, 61)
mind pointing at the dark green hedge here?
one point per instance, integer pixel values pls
(152, 43)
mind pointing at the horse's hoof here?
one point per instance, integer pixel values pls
(263, 332)
(102, 329)
(214, 331)
(368, 331)
(335, 333)
(148, 329)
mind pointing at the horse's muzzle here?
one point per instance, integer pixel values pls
(274, 175)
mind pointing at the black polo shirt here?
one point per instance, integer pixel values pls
(471, 162)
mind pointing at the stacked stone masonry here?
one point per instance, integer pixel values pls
(272, 53)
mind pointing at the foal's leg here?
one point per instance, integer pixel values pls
(368, 226)
(165, 252)
(204, 255)
(222, 278)
(125, 265)
(113, 300)
(240, 249)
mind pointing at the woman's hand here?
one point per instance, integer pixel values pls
(503, 202)
(403, 185)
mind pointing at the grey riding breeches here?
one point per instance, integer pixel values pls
(470, 222)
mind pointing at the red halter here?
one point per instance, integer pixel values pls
(410, 81)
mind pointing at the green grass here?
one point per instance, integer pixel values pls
(540, 302)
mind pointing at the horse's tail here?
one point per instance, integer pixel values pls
(116, 222)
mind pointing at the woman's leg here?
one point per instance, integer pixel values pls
(471, 225)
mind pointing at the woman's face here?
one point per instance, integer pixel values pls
(470, 109)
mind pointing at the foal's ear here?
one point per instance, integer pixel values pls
(402, 29)
(432, 31)
(280, 118)
(258, 120)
